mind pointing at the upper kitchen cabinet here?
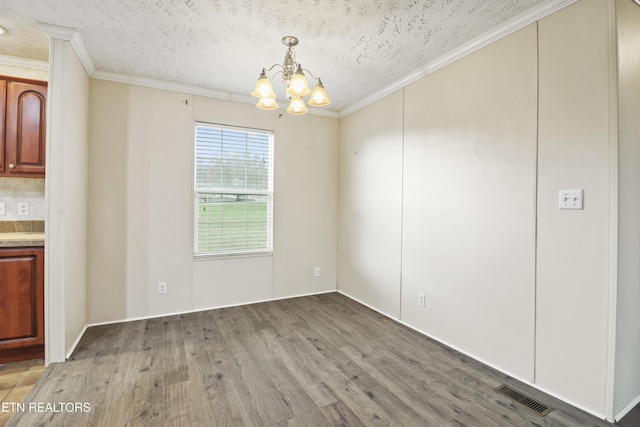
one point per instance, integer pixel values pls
(23, 130)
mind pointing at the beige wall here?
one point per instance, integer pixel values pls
(468, 205)
(627, 375)
(107, 223)
(508, 277)
(141, 205)
(573, 247)
(66, 191)
(305, 204)
(75, 121)
(371, 204)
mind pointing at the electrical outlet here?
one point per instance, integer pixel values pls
(162, 288)
(421, 299)
(23, 208)
(316, 272)
(3, 212)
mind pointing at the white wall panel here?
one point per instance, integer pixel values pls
(232, 281)
(469, 203)
(627, 375)
(573, 253)
(66, 205)
(371, 204)
(107, 224)
(305, 204)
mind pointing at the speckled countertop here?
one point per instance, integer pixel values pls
(8, 240)
(21, 233)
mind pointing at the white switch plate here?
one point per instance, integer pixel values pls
(3, 212)
(316, 272)
(162, 288)
(570, 199)
(23, 208)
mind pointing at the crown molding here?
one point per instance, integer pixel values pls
(58, 32)
(31, 64)
(165, 85)
(387, 90)
(83, 53)
(531, 16)
(73, 36)
(321, 112)
(189, 89)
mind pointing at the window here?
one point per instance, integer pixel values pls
(233, 192)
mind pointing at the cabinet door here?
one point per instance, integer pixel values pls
(3, 100)
(25, 129)
(21, 304)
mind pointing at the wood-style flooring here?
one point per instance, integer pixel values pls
(322, 360)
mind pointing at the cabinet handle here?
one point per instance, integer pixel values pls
(12, 166)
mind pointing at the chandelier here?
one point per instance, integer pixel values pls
(294, 76)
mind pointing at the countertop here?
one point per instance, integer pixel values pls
(19, 239)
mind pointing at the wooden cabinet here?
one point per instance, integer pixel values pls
(23, 130)
(21, 304)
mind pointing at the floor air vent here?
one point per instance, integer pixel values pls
(524, 400)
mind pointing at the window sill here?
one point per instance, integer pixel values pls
(212, 257)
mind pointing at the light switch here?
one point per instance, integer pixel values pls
(570, 199)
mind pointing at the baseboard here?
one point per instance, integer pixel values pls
(567, 401)
(624, 411)
(489, 364)
(441, 341)
(76, 342)
(157, 316)
(177, 313)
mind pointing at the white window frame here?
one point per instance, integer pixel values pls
(237, 192)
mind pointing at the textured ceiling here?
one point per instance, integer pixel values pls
(356, 46)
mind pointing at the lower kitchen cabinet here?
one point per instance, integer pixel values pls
(21, 304)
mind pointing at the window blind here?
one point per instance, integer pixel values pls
(233, 190)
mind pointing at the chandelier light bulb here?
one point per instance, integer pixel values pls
(319, 96)
(298, 85)
(297, 106)
(267, 104)
(264, 88)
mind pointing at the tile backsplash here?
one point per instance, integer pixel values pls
(21, 227)
(15, 192)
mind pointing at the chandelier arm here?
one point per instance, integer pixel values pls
(318, 78)
(278, 72)
(273, 66)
